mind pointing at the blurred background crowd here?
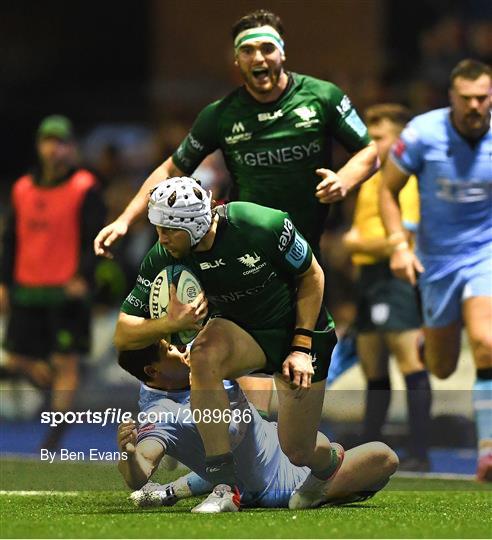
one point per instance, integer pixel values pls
(132, 78)
(133, 75)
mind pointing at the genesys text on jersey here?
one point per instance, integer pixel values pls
(134, 301)
(286, 154)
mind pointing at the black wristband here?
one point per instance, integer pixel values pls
(303, 332)
(297, 348)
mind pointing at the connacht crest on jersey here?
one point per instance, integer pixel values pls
(249, 260)
(305, 113)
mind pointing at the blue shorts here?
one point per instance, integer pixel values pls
(442, 299)
(284, 482)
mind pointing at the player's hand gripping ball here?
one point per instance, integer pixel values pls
(187, 289)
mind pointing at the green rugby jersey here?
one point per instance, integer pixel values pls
(249, 273)
(272, 150)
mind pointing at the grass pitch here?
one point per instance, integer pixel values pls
(89, 501)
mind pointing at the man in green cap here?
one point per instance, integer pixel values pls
(56, 126)
(47, 266)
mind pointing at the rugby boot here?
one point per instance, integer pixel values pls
(312, 492)
(153, 494)
(222, 499)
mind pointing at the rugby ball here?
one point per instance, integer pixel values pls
(187, 289)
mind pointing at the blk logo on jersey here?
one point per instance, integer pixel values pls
(207, 265)
(264, 117)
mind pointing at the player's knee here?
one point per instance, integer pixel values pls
(299, 459)
(389, 459)
(383, 458)
(440, 366)
(441, 370)
(298, 456)
(202, 366)
(206, 362)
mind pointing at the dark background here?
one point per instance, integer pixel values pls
(133, 74)
(153, 61)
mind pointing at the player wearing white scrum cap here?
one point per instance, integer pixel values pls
(181, 203)
(275, 132)
(265, 288)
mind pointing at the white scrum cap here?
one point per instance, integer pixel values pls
(181, 203)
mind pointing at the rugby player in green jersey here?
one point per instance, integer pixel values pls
(265, 289)
(275, 134)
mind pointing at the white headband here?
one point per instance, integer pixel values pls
(266, 34)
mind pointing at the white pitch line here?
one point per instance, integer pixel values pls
(25, 493)
(435, 475)
(13, 456)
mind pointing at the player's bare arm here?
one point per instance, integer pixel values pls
(136, 207)
(334, 186)
(142, 459)
(297, 367)
(133, 332)
(403, 261)
(378, 247)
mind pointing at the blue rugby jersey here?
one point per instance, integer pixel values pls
(455, 188)
(264, 473)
